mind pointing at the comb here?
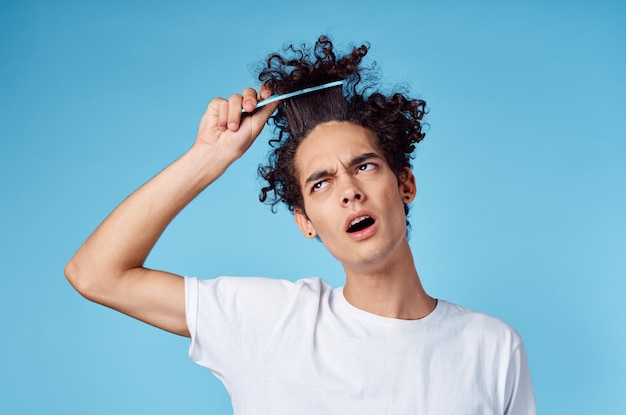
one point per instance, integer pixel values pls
(288, 95)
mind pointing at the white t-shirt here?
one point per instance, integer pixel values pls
(284, 347)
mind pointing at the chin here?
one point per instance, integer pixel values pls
(375, 257)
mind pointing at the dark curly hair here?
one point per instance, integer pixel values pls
(394, 119)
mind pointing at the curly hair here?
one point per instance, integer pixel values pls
(395, 120)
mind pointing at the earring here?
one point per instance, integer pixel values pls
(310, 234)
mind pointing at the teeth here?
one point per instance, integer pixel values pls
(357, 220)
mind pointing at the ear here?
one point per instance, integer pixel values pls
(303, 222)
(408, 188)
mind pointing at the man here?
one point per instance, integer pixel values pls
(341, 164)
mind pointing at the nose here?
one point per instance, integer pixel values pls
(346, 200)
(351, 192)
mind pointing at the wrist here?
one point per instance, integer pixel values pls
(207, 162)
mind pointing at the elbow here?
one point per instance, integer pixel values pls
(95, 283)
(72, 274)
(78, 279)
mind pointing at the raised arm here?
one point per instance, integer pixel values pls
(108, 267)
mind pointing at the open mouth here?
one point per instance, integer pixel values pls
(360, 223)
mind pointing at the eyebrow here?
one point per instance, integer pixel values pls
(354, 162)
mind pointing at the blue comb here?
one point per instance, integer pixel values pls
(288, 95)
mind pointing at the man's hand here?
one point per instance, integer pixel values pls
(230, 131)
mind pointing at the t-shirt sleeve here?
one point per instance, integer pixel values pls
(232, 320)
(519, 387)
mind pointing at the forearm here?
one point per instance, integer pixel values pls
(108, 267)
(124, 239)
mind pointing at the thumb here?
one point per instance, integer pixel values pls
(255, 122)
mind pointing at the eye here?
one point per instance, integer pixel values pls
(319, 186)
(366, 167)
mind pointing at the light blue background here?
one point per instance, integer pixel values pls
(520, 211)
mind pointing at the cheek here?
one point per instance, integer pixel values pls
(326, 221)
(320, 223)
(397, 201)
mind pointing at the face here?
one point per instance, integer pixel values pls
(352, 199)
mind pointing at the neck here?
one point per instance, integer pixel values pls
(390, 290)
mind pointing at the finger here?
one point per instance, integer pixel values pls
(222, 116)
(234, 111)
(249, 99)
(256, 121)
(211, 114)
(265, 91)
